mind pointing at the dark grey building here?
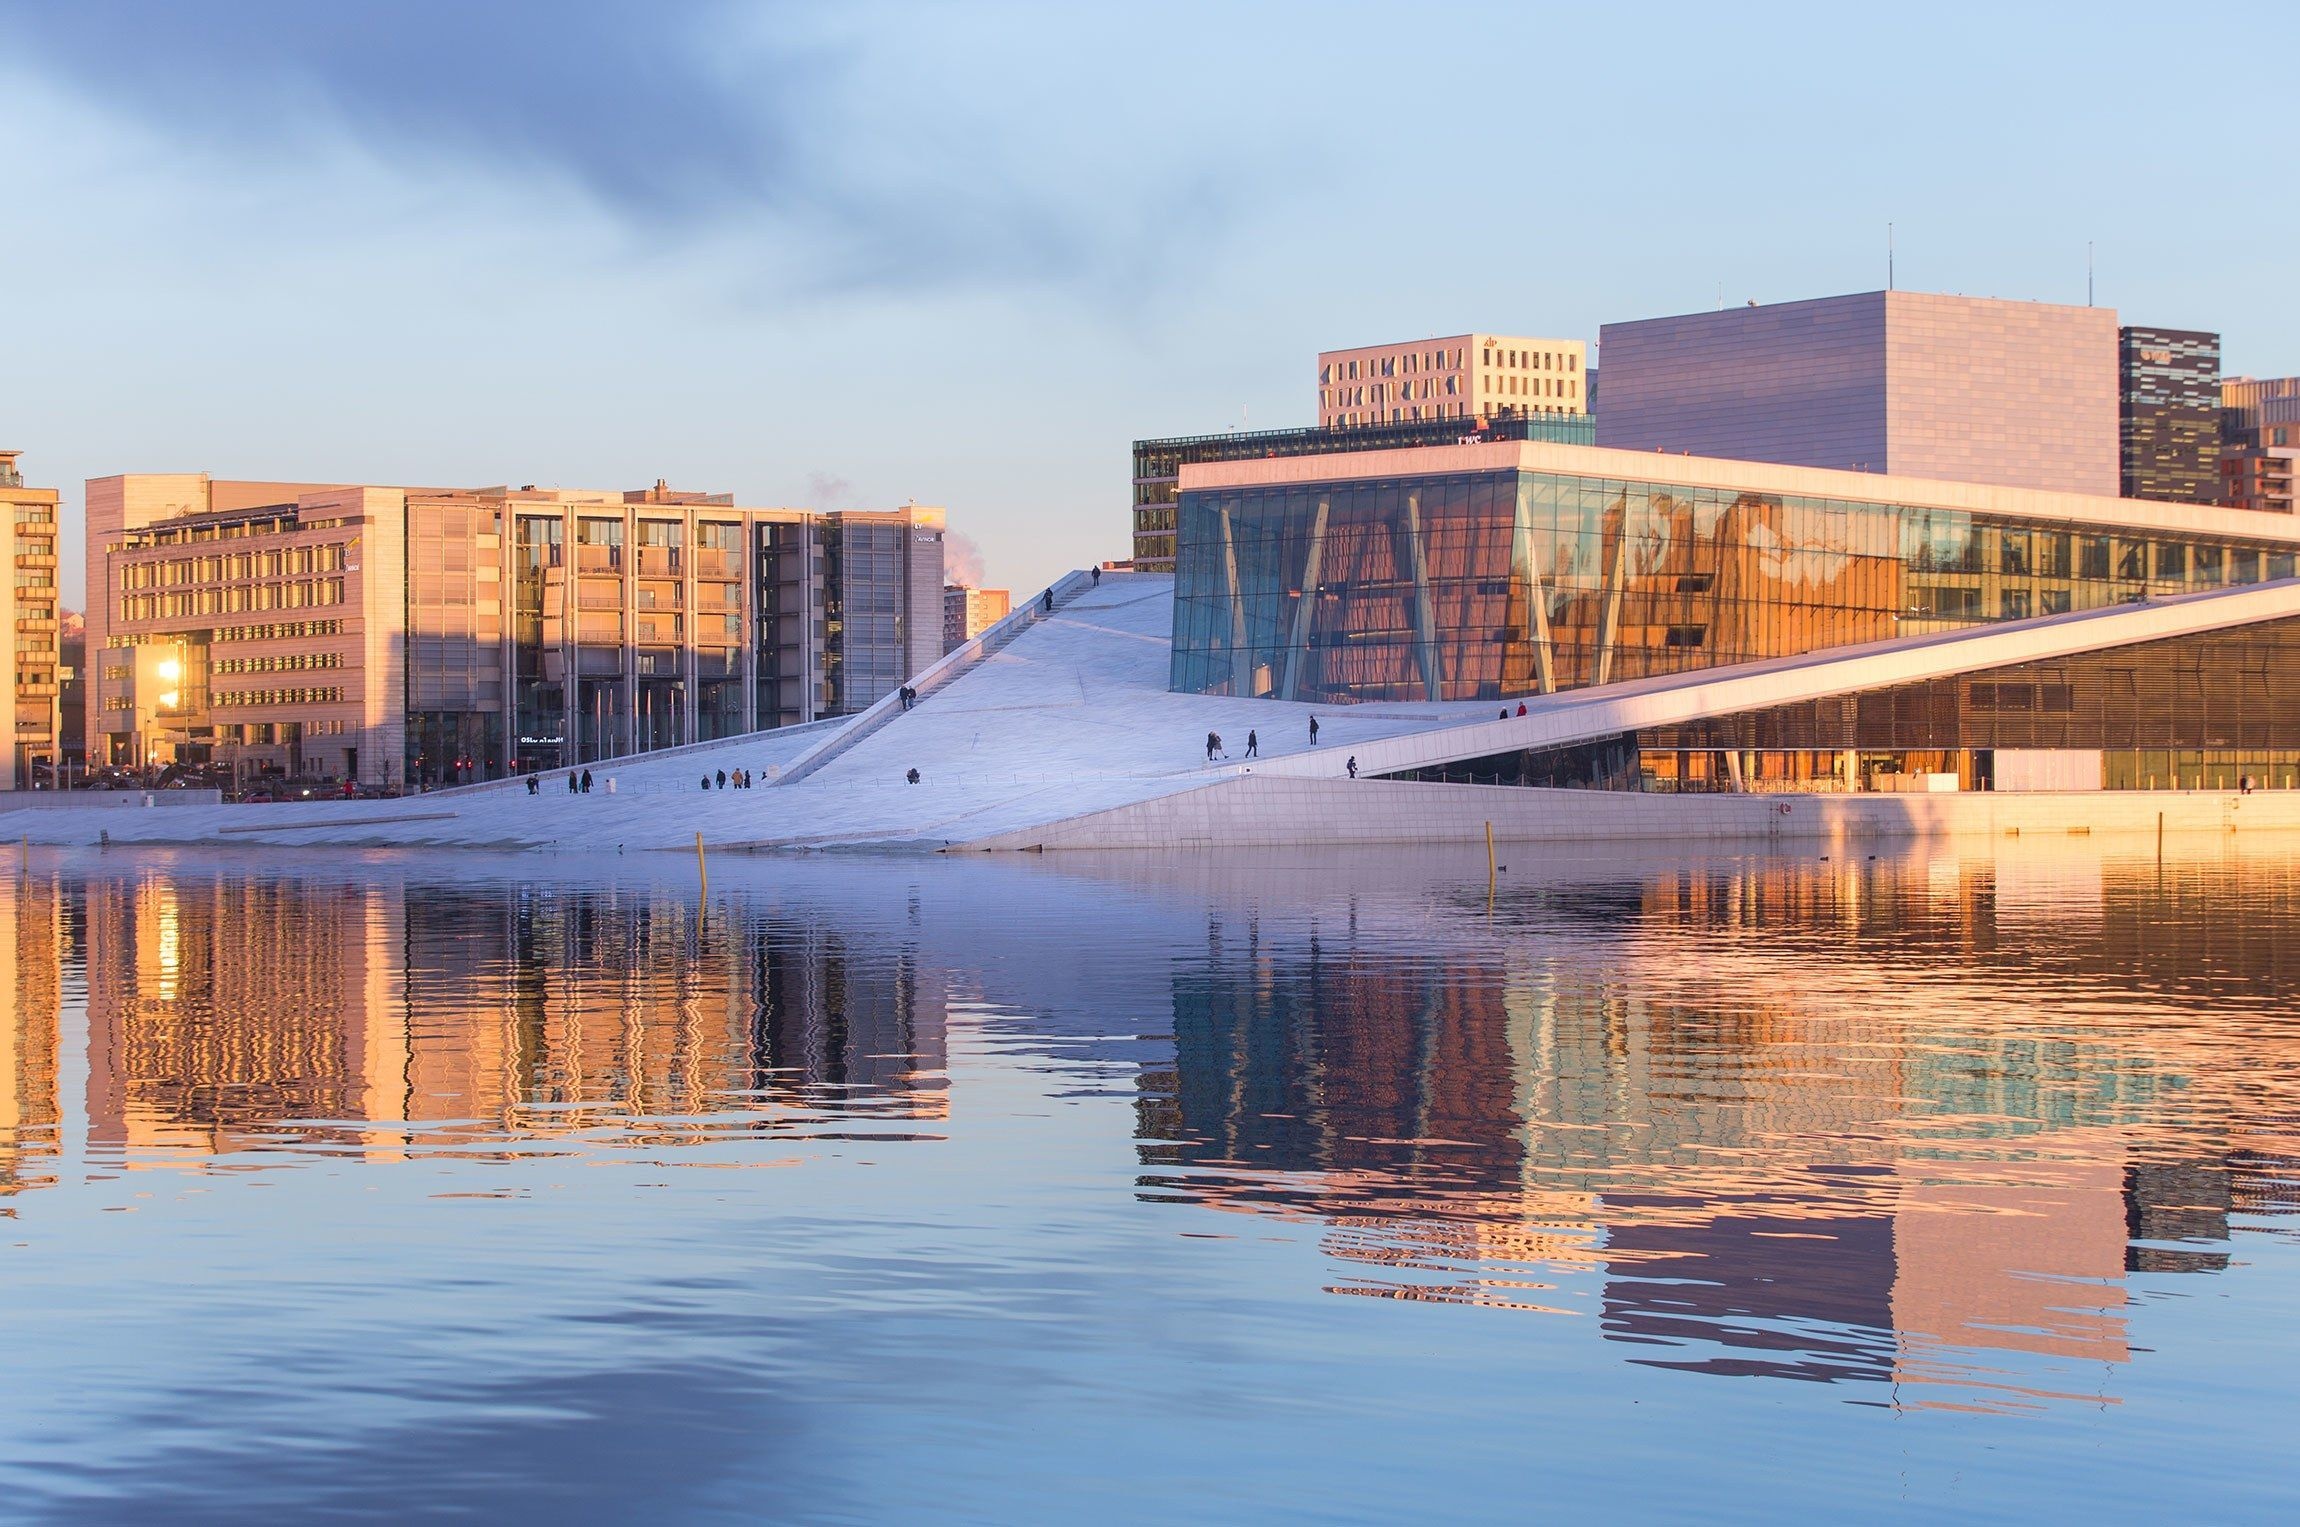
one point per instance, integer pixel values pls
(2168, 414)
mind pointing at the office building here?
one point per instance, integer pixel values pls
(2168, 406)
(394, 635)
(1913, 384)
(1457, 376)
(30, 622)
(1158, 463)
(2260, 442)
(1506, 570)
(968, 612)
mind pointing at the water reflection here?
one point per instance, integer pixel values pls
(1910, 1124)
(1931, 1128)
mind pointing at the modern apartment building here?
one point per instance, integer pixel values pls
(1457, 376)
(395, 635)
(968, 612)
(30, 624)
(1915, 384)
(2168, 405)
(2260, 442)
(1158, 463)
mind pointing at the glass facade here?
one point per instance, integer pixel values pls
(1158, 463)
(2169, 414)
(2192, 712)
(1483, 585)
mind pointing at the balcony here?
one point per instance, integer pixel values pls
(35, 559)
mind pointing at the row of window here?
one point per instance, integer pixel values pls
(230, 698)
(232, 599)
(290, 662)
(1394, 365)
(1419, 411)
(285, 562)
(1533, 360)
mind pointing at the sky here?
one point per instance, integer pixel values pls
(859, 254)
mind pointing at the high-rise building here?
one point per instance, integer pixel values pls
(1158, 463)
(393, 635)
(29, 623)
(1915, 384)
(1458, 376)
(2168, 406)
(2259, 442)
(968, 612)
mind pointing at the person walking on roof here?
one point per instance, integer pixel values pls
(586, 781)
(722, 779)
(1521, 707)
(1313, 731)
(1353, 766)
(572, 786)
(1096, 575)
(912, 776)
(1213, 745)
(1046, 601)
(1253, 745)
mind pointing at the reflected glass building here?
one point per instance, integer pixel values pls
(1491, 571)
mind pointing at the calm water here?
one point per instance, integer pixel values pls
(1211, 1188)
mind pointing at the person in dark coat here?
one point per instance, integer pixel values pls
(1253, 745)
(586, 781)
(722, 779)
(572, 784)
(1046, 601)
(706, 782)
(1213, 745)
(1313, 731)
(1096, 574)
(912, 776)
(534, 784)
(1353, 766)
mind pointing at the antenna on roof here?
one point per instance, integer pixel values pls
(2088, 273)
(1888, 257)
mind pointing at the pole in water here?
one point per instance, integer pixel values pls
(2160, 837)
(702, 866)
(1489, 855)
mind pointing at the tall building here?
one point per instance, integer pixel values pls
(2260, 442)
(1158, 463)
(2168, 405)
(394, 635)
(1458, 376)
(968, 612)
(1920, 385)
(29, 623)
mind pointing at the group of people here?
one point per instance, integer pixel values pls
(739, 780)
(1254, 745)
(577, 784)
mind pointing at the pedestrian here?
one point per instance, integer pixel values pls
(1521, 707)
(722, 779)
(1096, 575)
(1046, 601)
(706, 782)
(1253, 745)
(572, 785)
(532, 782)
(2245, 786)
(1353, 766)
(912, 776)
(1213, 743)
(1505, 713)
(1313, 731)
(586, 781)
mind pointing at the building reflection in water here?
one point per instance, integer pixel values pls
(226, 1010)
(33, 939)
(1895, 1163)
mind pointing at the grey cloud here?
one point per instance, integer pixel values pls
(682, 117)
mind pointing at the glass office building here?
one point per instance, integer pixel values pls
(2168, 414)
(1158, 463)
(1490, 572)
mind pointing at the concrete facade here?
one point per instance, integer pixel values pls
(1456, 376)
(968, 612)
(2019, 394)
(29, 627)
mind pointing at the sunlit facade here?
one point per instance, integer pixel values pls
(408, 635)
(29, 626)
(1488, 572)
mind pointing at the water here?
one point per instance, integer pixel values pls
(1023, 1188)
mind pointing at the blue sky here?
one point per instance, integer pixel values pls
(963, 254)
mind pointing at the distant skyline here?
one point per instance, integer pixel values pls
(853, 255)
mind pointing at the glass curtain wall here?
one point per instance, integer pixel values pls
(1485, 585)
(538, 593)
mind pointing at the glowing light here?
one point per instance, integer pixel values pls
(171, 670)
(168, 700)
